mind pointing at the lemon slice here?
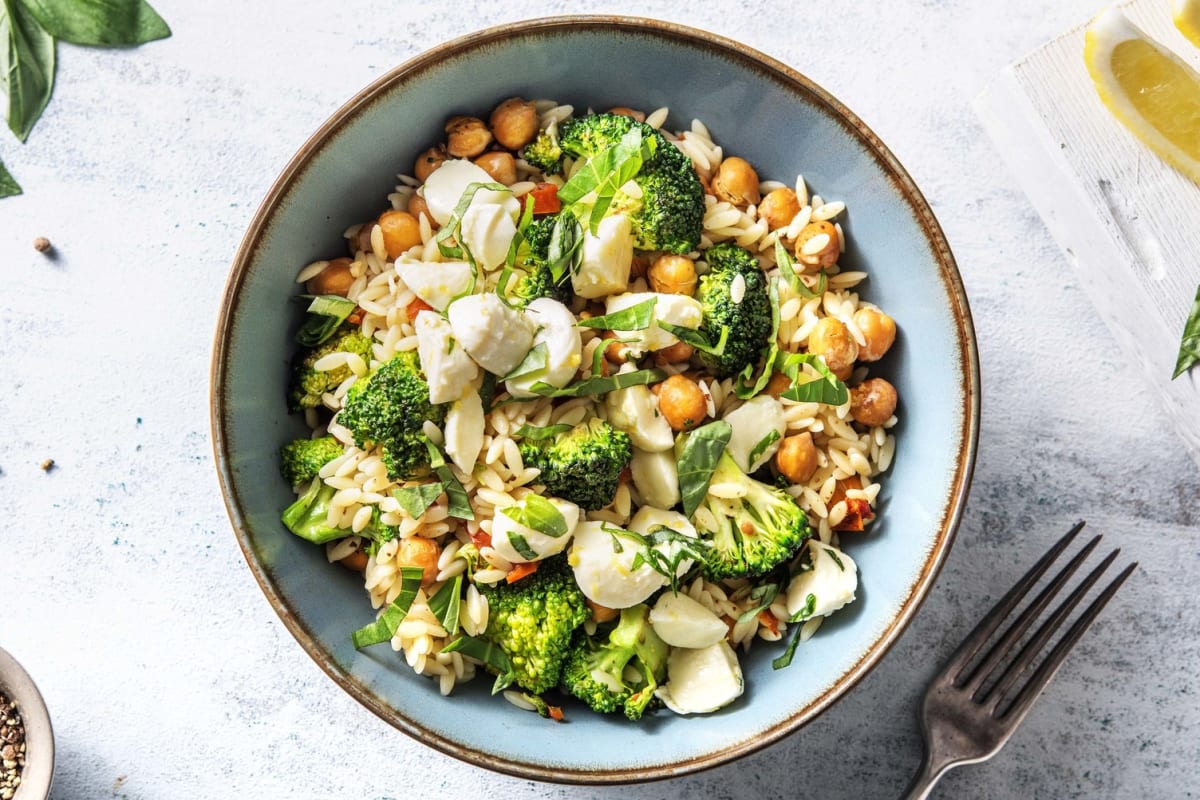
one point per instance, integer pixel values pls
(1187, 19)
(1147, 87)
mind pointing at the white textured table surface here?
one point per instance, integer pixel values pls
(122, 589)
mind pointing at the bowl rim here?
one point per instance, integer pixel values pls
(748, 57)
(38, 773)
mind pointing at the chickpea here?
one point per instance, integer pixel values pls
(796, 458)
(601, 614)
(878, 329)
(417, 206)
(428, 161)
(626, 111)
(873, 402)
(400, 232)
(356, 561)
(638, 267)
(778, 384)
(779, 208)
(818, 244)
(615, 352)
(466, 137)
(334, 279)
(736, 182)
(675, 354)
(500, 165)
(417, 551)
(514, 122)
(831, 339)
(682, 403)
(672, 275)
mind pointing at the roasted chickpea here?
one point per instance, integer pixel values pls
(615, 352)
(779, 208)
(428, 161)
(682, 403)
(638, 267)
(417, 551)
(601, 614)
(796, 458)
(831, 339)
(778, 384)
(514, 123)
(873, 402)
(400, 232)
(817, 245)
(500, 165)
(466, 137)
(626, 111)
(334, 279)
(878, 329)
(675, 354)
(356, 561)
(671, 274)
(736, 182)
(417, 206)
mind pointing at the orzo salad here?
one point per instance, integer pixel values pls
(591, 412)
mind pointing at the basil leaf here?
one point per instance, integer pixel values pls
(607, 171)
(445, 604)
(763, 443)
(538, 513)
(536, 360)
(695, 338)
(787, 267)
(827, 389)
(416, 500)
(536, 434)
(28, 65)
(384, 628)
(459, 505)
(764, 594)
(8, 185)
(635, 318)
(522, 226)
(325, 314)
(833, 554)
(599, 384)
(107, 23)
(565, 249)
(522, 547)
(701, 452)
(453, 230)
(487, 653)
(785, 660)
(1189, 347)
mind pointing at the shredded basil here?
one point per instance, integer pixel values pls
(449, 238)
(445, 604)
(606, 172)
(384, 628)
(521, 545)
(651, 548)
(826, 389)
(487, 653)
(760, 448)
(598, 384)
(538, 513)
(764, 595)
(785, 660)
(701, 452)
(536, 360)
(459, 506)
(697, 339)
(325, 314)
(833, 554)
(1189, 346)
(635, 318)
(787, 267)
(537, 434)
(416, 500)
(565, 249)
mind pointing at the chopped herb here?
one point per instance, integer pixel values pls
(697, 339)
(445, 604)
(489, 654)
(651, 550)
(416, 500)
(449, 238)
(833, 554)
(606, 172)
(521, 545)
(325, 314)
(760, 448)
(701, 452)
(635, 318)
(536, 360)
(1189, 346)
(459, 506)
(538, 513)
(826, 389)
(384, 628)
(785, 660)
(565, 249)
(600, 385)
(788, 269)
(537, 434)
(764, 595)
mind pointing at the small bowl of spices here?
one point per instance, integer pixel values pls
(26, 738)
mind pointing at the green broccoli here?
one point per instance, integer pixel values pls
(307, 516)
(582, 465)
(670, 213)
(389, 408)
(301, 460)
(620, 671)
(544, 153)
(307, 385)
(533, 620)
(755, 532)
(534, 278)
(748, 320)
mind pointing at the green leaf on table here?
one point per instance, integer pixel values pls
(1189, 346)
(8, 185)
(105, 23)
(28, 60)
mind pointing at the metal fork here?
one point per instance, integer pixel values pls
(971, 709)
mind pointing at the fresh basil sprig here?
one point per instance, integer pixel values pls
(1189, 347)
(8, 184)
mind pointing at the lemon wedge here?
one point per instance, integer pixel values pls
(1187, 19)
(1152, 91)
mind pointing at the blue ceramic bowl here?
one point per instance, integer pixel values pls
(760, 109)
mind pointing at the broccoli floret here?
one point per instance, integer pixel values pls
(670, 213)
(301, 460)
(544, 153)
(307, 385)
(532, 621)
(749, 321)
(533, 276)
(307, 516)
(755, 531)
(621, 671)
(582, 465)
(537, 238)
(389, 408)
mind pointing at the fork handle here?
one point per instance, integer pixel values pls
(922, 783)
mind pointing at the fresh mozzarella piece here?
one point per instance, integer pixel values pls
(758, 428)
(487, 231)
(555, 327)
(446, 184)
(520, 543)
(437, 283)
(676, 309)
(656, 476)
(635, 410)
(702, 680)
(831, 581)
(496, 336)
(647, 519)
(681, 621)
(464, 430)
(606, 258)
(447, 367)
(606, 576)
